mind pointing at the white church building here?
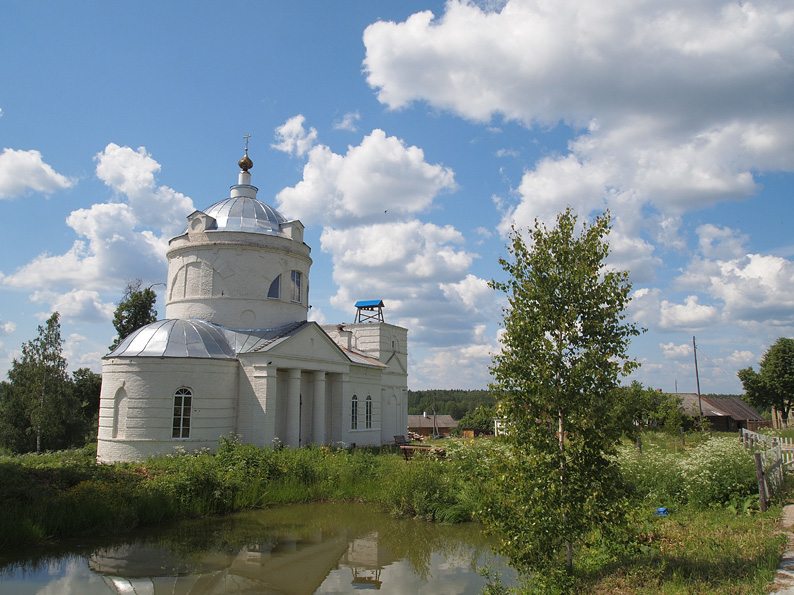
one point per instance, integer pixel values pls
(236, 354)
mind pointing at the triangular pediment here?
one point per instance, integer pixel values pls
(307, 341)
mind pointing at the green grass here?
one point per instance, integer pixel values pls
(695, 550)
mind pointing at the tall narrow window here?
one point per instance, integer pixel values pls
(354, 413)
(368, 412)
(275, 288)
(296, 286)
(183, 401)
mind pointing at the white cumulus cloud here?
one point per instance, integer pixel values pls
(78, 304)
(376, 181)
(293, 138)
(348, 122)
(661, 126)
(689, 315)
(117, 240)
(673, 351)
(25, 171)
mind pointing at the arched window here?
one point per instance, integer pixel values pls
(296, 286)
(354, 413)
(275, 288)
(183, 401)
(368, 412)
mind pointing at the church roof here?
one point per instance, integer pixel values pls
(198, 338)
(201, 339)
(243, 213)
(176, 338)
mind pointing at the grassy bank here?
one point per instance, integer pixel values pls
(56, 495)
(713, 541)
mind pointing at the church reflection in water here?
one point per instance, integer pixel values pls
(295, 549)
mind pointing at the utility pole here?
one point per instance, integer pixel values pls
(697, 379)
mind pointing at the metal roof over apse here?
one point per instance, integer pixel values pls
(246, 341)
(176, 338)
(246, 214)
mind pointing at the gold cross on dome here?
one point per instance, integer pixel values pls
(246, 137)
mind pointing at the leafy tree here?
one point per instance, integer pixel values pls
(479, 419)
(637, 407)
(564, 349)
(670, 417)
(86, 388)
(136, 309)
(37, 408)
(773, 384)
(454, 402)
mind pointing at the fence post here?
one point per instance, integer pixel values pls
(762, 491)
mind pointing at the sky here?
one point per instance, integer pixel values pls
(409, 137)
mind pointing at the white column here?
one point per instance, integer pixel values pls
(257, 419)
(318, 409)
(344, 388)
(293, 407)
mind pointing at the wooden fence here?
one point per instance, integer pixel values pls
(772, 455)
(755, 424)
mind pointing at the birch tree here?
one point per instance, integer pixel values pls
(37, 408)
(564, 350)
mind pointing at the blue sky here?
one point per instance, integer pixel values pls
(408, 136)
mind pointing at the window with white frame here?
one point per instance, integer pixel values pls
(368, 412)
(354, 413)
(183, 401)
(296, 286)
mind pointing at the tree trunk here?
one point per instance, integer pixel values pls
(561, 435)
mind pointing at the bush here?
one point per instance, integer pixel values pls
(714, 473)
(420, 488)
(718, 471)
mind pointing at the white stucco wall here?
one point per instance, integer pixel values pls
(224, 277)
(389, 345)
(141, 424)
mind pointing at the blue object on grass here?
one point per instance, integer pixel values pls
(661, 511)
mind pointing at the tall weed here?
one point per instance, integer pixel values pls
(713, 473)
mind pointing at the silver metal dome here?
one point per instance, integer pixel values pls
(176, 338)
(200, 339)
(246, 214)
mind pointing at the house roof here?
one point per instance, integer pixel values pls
(734, 407)
(690, 406)
(442, 421)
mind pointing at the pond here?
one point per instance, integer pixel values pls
(298, 549)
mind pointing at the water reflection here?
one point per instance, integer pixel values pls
(302, 549)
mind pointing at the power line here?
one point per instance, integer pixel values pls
(732, 376)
